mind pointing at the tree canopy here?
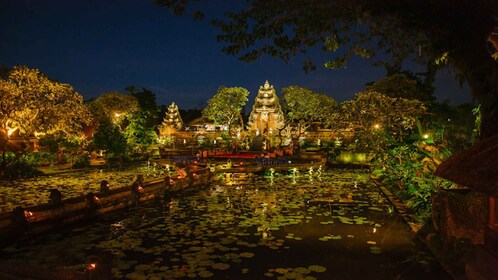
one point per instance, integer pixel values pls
(371, 112)
(114, 106)
(225, 106)
(401, 85)
(304, 106)
(32, 103)
(458, 33)
(141, 131)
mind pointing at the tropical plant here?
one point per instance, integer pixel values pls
(376, 117)
(141, 130)
(304, 107)
(108, 137)
(225, 106)
(20, 167)
(408, 169)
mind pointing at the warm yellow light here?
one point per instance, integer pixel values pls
(117, 115)
(11, 130)
(426, 136)
(377, 126)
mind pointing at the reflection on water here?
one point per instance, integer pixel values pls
(326, 225)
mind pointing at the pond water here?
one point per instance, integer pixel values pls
(333, 225)
(34, 191)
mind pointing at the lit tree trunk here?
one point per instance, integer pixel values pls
(241, 121)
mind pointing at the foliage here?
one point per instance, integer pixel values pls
(303, 106)
(186, 115)
(141, 130)
(409, 170)
(377, 117)
(32, 103)
(109, 137)
(138, 136)
(147, 105)
(225, 106)
(402, 86)
(20, 167)
(41, 158)
(478, 119)
(81, 161)
(452, 125)
(113, 106)
(55, 143)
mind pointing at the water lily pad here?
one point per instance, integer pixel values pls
(292, 275)
(302, 270)
(205, 274)
(142, 267)
(246, 255)
(281, 270)
(317, 268)
(221, 266)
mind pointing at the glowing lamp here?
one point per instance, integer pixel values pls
(426, 136)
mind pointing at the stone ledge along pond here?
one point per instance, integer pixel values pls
(333, 225)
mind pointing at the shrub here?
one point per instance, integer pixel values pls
(21, 167)
(408, 169)
(40, 158)
(82, 161)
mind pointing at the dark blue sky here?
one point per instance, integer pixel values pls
(99, 46)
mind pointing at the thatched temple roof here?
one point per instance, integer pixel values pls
(475, 167)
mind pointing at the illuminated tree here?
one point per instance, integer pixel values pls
(225, 106)
(108, 137)
(372, 115)
(303, 106)
(114, 106)
(32, 103)
(141, 131)
(458, 33)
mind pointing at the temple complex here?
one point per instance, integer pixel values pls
(266, 115)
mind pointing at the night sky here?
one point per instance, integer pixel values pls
(100, 46)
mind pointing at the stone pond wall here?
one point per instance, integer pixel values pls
(460, 214)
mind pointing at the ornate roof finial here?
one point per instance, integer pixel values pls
(267, 85)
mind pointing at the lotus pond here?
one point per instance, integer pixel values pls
(34, 191)
(333, 225)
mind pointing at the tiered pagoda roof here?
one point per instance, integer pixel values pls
(173, 118)
(266, 109)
